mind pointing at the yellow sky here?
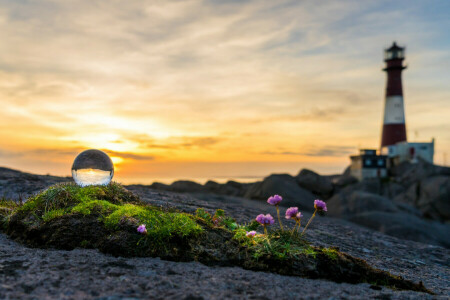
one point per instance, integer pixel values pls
(203, 89)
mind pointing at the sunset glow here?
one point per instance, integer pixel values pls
(208, 89)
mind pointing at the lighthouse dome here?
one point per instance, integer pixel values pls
(394, 52)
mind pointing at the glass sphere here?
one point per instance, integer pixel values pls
(92, 167)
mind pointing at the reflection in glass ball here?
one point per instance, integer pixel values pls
(92, 167)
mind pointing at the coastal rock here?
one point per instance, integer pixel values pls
(345, 205)
(404, 226)
(408, 173)
(186, 186)
(317, 184)
(282, 184)
(388, 189)
(231, 188)
(343, 180)
(430, 196)
(18, 185)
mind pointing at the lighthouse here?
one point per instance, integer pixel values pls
(394, 129)
(370, 164)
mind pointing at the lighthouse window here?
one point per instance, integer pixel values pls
(368, 162)
(380, 162)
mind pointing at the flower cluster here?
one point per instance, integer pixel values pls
(141, 229)
(265, 219)
(251, 234)
(320, 205)
(274, 200)
(292, 213)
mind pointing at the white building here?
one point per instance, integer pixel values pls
(405, 151)
(368, 164)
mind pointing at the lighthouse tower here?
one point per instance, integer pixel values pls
(394, 129)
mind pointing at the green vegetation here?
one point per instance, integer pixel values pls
(7, 207)
(112, 204)
(331, 253)
(278, 244)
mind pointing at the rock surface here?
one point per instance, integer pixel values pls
(430, 196)
(81, 273)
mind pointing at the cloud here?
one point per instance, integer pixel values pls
(322, 151)
(186, 142)
(213, 80)
(128, 155)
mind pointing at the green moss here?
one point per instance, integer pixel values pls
(7, 203)
(309, 251)
(69, 195)
(203, 214)
(160, 225)
(279, 244)
(102, 207)
(52, 214)
(113, 204)
(331, 253)
(7, 207)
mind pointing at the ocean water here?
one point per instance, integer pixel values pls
(85, 177)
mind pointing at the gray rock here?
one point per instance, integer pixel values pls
(285, 185)
(160, 186)
(431, 196)
(319, 185)
(404, 226)
(408, 173)
(343, 180)
(344, 205)
(231, 188)
(186, 186)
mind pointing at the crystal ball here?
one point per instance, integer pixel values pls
(92, 167)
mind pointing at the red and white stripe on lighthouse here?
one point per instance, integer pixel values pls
(394, 128)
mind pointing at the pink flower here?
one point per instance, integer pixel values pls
(291, 212)
(265, 219)
(274, 200)
(141, 229)
(251, 233)
(320, 205)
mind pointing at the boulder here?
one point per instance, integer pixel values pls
(231, 188)
(383, 188)
(319, 185)
(343, 180)
(160, 186)
(344, 205)
(405, 226)
(431, 196)
(186, 186)
(408, 173)
(284, 185)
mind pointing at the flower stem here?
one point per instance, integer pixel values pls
(299, 225)
(293, 229)
(310, 219)
(279, 220)
(265, 230)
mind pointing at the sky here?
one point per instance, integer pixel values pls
(214, 89)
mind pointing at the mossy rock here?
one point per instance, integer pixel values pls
(66, 216)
